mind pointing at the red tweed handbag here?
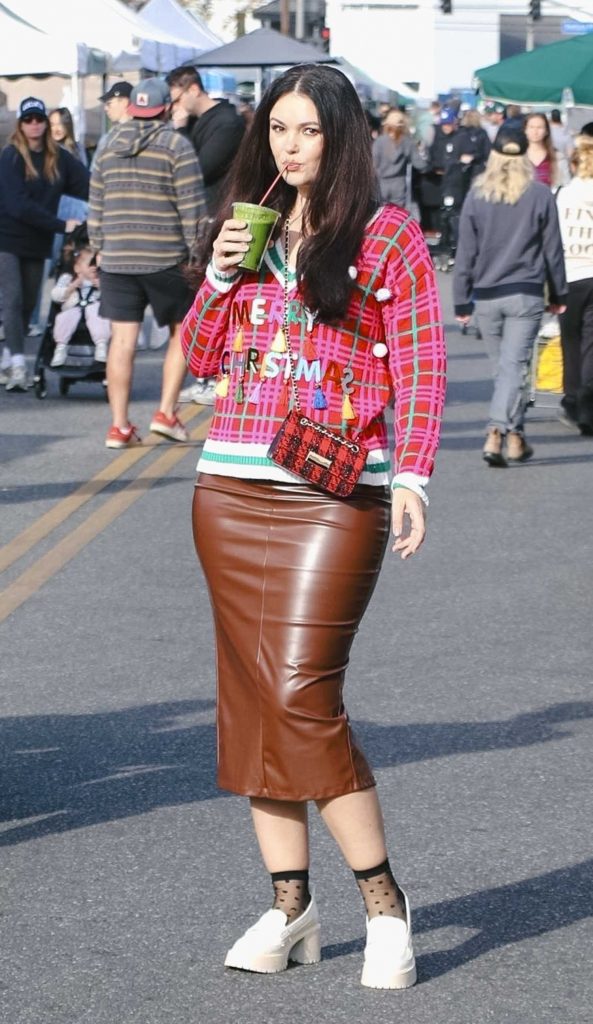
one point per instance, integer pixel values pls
(317, 454)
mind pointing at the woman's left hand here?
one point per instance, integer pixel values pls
(406, 503)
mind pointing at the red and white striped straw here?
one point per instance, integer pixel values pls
(272, 186)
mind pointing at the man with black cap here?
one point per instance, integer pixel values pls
(146, 200)
(450, 156)
(116, 101)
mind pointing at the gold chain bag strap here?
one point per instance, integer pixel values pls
(310, 450)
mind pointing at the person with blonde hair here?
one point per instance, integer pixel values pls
(34, 173)
(394, 151)
(575, 210)
(509, 249)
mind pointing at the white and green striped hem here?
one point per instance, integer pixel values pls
(249, 461)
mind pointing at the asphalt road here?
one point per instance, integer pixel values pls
(126, 874)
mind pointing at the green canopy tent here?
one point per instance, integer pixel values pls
(548, 74)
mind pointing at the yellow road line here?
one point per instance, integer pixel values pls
(24, 541)
(65, 550)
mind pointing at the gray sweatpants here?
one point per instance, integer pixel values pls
(509, 327)
(20, 280)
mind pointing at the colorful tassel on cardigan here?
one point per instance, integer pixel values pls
(239, 393)
(254, 394)
(309, 350)
(348, 409)
(238, 342)
(222, 388)
(279, 342)
(319, 399)
(284, 397)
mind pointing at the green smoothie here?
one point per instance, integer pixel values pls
(261, 221)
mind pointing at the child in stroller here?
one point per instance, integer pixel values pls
(74, 342)
(77, 292)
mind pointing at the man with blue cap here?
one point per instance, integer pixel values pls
(450, 164)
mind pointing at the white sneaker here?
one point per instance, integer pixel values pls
(34, 331)
(202, 392)
(388, 956)
(267, 947)
(101, 352)
(60, 355)
(18, 379)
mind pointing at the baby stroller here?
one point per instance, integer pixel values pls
(80, 364)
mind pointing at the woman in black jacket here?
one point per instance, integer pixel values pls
(34, 174)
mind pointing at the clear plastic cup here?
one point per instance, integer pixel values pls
(261, 221)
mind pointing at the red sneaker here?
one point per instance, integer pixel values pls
(168, 426)
(117, 438)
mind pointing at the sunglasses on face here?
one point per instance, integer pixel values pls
(33, 119)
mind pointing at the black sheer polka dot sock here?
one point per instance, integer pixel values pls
(291, 892)
(380, 892)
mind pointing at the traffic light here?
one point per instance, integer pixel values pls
(325, 36)
(447, 6)
(535, 10)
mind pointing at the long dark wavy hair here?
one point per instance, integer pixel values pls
(342, 197)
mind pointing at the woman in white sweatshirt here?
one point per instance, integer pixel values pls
(575, 210)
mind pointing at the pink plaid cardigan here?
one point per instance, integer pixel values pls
(390, 346)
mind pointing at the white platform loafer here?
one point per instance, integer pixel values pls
(388, 956)
(271, 942)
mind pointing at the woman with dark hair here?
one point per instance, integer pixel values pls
(61, 124)
(540, 150)
(342, 318)
(34, 174)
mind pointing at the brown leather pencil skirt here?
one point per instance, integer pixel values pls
(290, 571)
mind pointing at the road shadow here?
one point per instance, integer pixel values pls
(18, 446)
(497, 917)
(24, 493)
(391, 745)
(466, 391)
(63, 772)
(71, 771)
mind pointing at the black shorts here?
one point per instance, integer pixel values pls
(124, 297)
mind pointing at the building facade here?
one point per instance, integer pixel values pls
(412, 41)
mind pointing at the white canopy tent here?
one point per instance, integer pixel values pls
(105, 25)
(27, 50)
(167, 15)
(83, 37)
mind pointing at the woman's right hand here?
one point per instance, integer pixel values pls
(231, 244)
(72, 223)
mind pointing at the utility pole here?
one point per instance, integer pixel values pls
(300, 20)
(285, 17)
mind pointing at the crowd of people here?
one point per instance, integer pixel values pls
(433, 165)
(504, 197)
